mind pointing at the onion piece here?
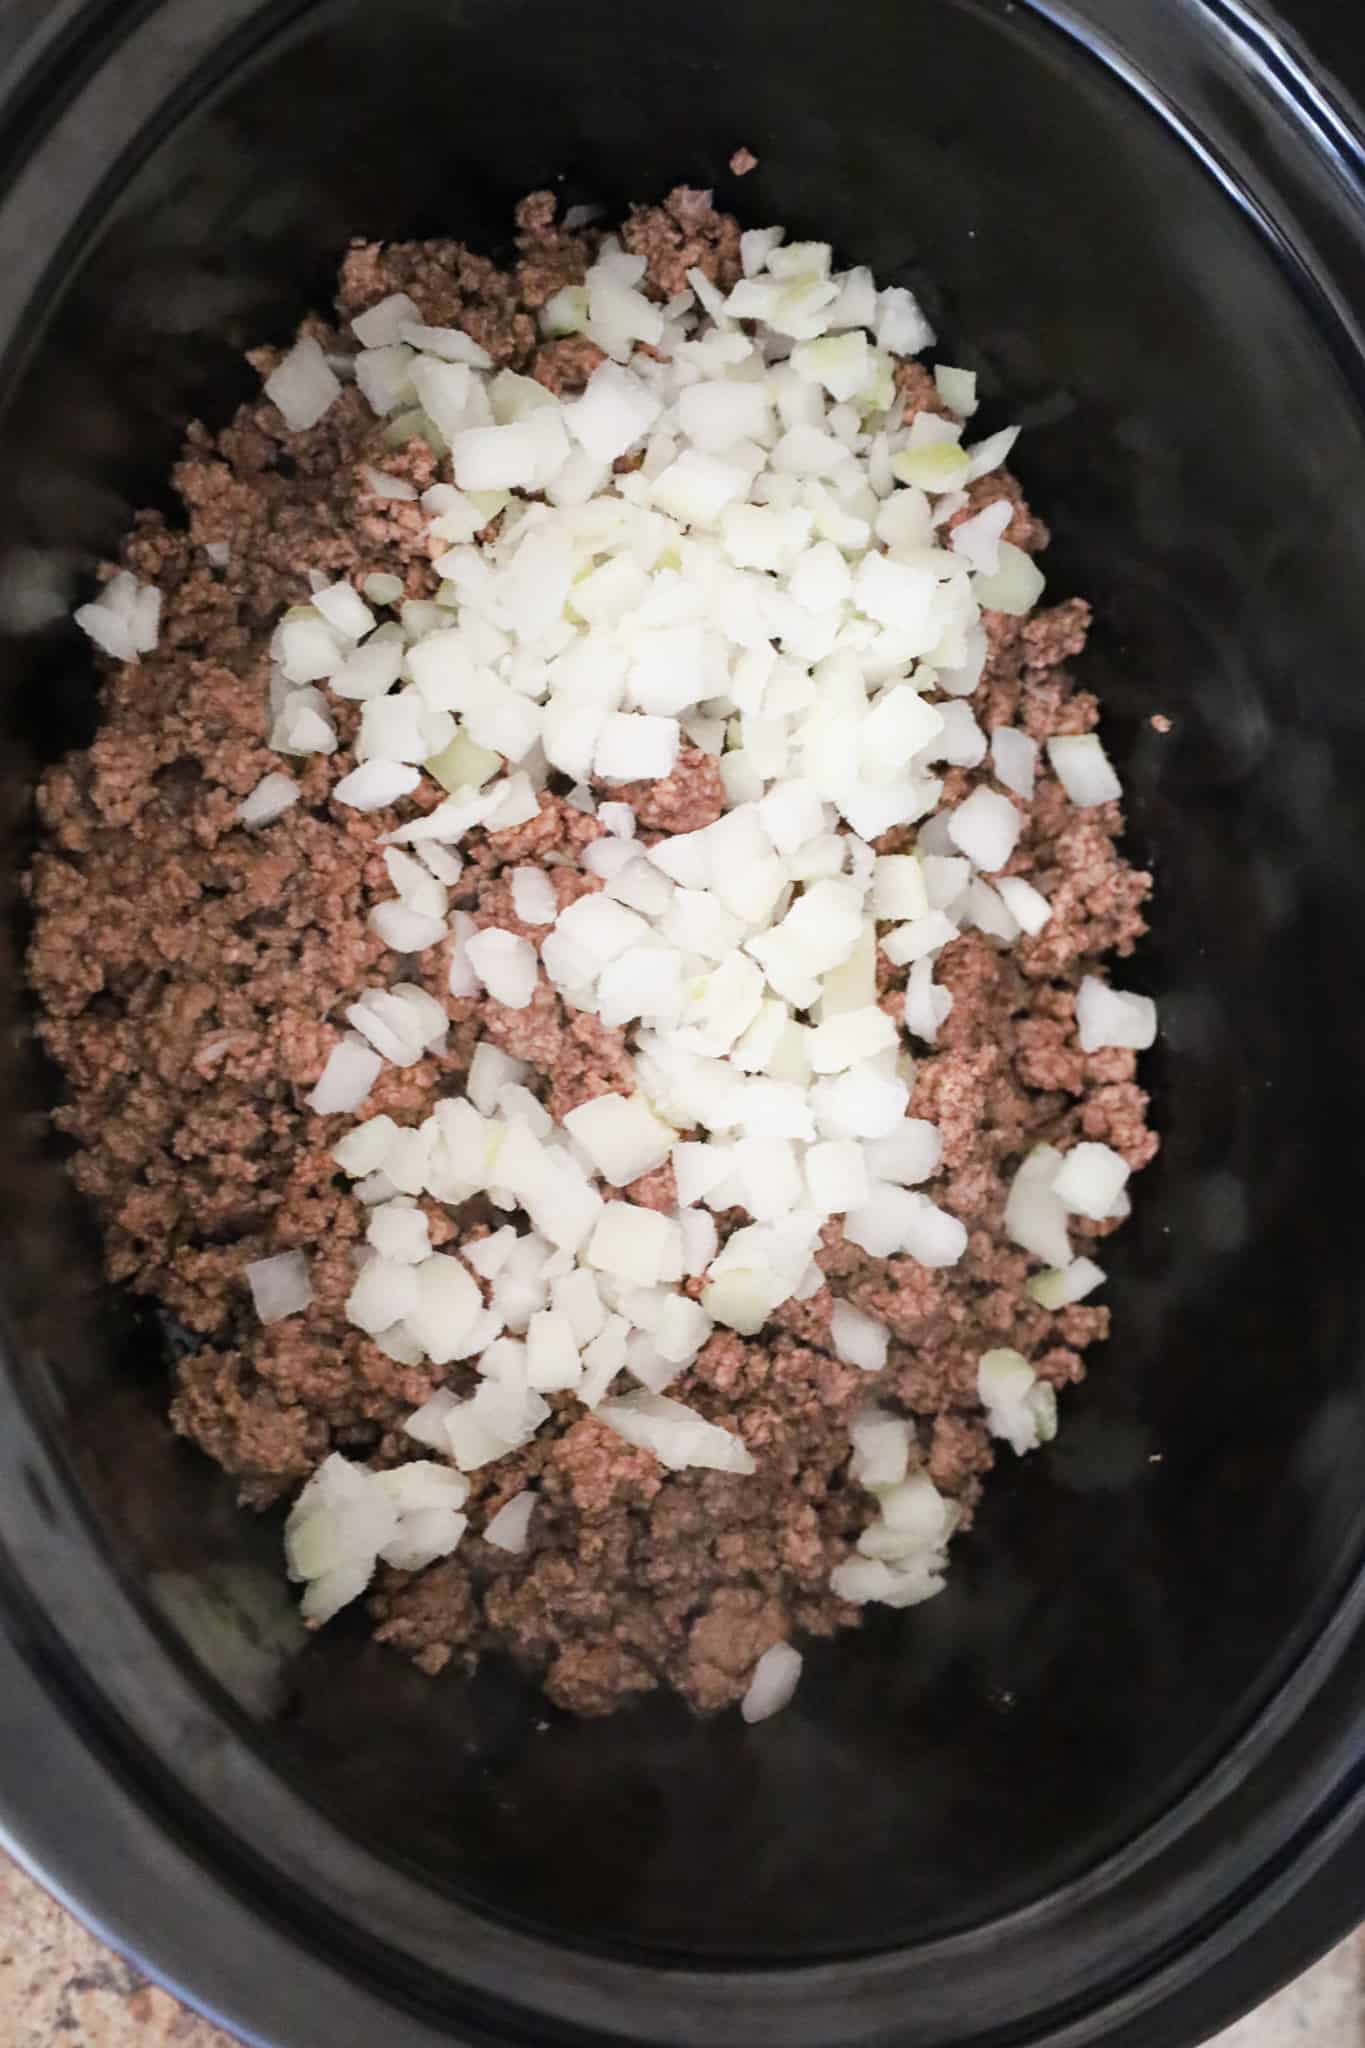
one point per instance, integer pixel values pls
(1091, 1180)
(280, 1286)
(1083, 769)
(506, 965)
(303, 385)
(1015, 759)
(351, 1071)
(677, 1435)
(270, 799)
(957, 388)
(857, 1338)
(1059, 1287)
(509, 1528)
(1035, 1217)
(775, 1679)
(986, 828)
(1108, 1016)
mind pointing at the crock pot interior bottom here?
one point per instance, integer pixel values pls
(1125, 1600)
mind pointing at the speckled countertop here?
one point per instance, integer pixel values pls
(60, 1989)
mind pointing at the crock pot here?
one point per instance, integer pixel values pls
(1108, 1787)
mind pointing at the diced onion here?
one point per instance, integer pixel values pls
(1083, 769)
(776, 1677)
(280, 1286)
(304, 386)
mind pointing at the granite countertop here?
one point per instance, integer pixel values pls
(58, 1986)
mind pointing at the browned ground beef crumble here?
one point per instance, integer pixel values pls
(192, 976)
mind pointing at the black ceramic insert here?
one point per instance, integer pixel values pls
(1103, 1788)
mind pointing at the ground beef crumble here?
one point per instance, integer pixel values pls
(191, 975)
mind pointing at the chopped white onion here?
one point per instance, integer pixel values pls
(506, 965)
(1108, 1016)
(1035, 1217)
(1083, 769)
(351, 1071)
(376, 784)
(280, 1286)
(881, 1447)
(857, 1338)
(304, 386)
(986, 828)
(1015, 759)
(775, 1679)
(1027, 906)
(778, 578)
(510, 1527)
(1014, 586)
(1062, 1285)
(382, 324)
(621, 1135)
(270, 799)
(1090, 1180)
(533, 896)
(677, 1435)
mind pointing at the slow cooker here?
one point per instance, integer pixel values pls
(1107, 1788)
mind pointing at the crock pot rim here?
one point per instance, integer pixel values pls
(75, 1764)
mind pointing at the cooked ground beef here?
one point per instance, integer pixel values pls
(191, 976)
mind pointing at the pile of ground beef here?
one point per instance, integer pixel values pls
(192, 977)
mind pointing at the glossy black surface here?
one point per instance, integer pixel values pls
(1048, 1804)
